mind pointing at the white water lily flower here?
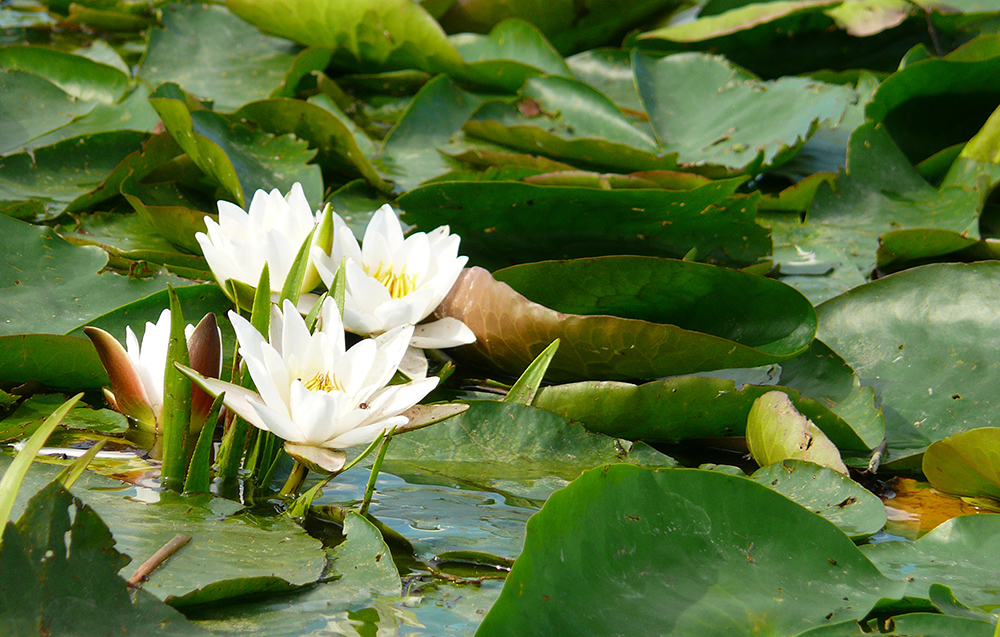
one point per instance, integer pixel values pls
(314, 393)
(393, 281)
(137, 370)
(271, 231)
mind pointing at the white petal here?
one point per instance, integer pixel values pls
(364, 435)
(446, 332)
(414, 363)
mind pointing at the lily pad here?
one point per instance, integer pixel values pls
(909, 625)
(364, 34)
(515, 449)
(410, 153)
(60, 573)
(627, 317)
(681, 552)
(960, 553)
(513, 51)
(727, 117)
(508, 222)
(687, 407)
(230, 553)
(50, 287)
(215, 55)
(776, 431)
(239, 159)
(853, 508)
(568, 120)
(938, 102)
(61, 175)
(34, 106)
(966, 463)
(925, 339)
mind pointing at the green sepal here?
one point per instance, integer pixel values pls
(176, 402)
(523, 391)
(199, 475)
(297, 273)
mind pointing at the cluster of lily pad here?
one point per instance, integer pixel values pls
(728, 254)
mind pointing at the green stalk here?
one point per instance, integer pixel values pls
(376, 466)
(295, 479)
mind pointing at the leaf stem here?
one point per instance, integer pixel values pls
(295, 478)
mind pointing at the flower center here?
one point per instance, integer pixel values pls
(322, 382)
(398, 284)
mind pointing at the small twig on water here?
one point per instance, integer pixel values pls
(168, 549)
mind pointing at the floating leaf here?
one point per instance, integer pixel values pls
(966, 463)
(726, 117)
(570, 121)
(508, 222)
(59, 572)
(215, 55)
(853, 508)
(776, 431)
(364, 34)
(60, 175)
(926, 339)
(935, 103)
(627, 317)
(683, 552)
(513, 51)
(960, 553)
(565, 24)
(507, 447)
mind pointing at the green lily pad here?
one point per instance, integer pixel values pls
(239, 159)
(34, 106)
(59, 572)
(513, 51)
(938, 102)
(68, 291)
(317, 122)
(689, 407)
(965, 463)
(509, 222)
(410, 153)
(364, 34)
(29, 415)
(132, 113)
(569, 121)
(627, 317)
(568, 26)
(727, 117)
(215, 55)
(773, 39)
(901, 249)
(854, 509)
(682, 552)
(883, 184)
(909, 625)
(230, 553)
(60, 176)
(59, 362)
(960, 553)
(776, 431)
(925, 339)
(610, 72)
(515, 449)
(81, 78)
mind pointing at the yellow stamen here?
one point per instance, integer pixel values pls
(398, 285)
(323, 382)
